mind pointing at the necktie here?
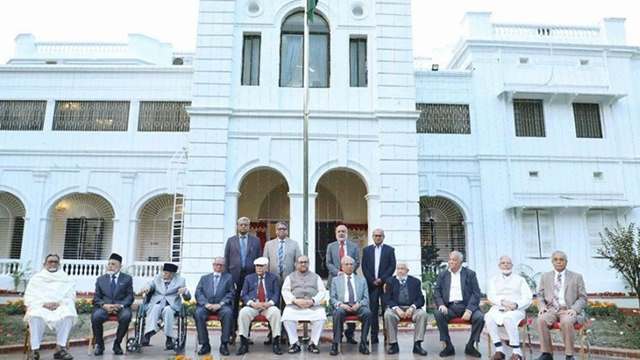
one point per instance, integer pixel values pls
(557, 285)
(216, 278)
(243, 249)
(113, 285)
(281, 257)
(341, 252)
(262, 297)
(352, 293)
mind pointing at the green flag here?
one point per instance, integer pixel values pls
(311, 7)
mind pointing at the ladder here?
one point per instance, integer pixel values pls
(176, 181)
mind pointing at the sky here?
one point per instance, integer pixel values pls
(436, 23)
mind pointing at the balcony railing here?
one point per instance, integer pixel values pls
(94, 268)
(547, 33)
(9, 266)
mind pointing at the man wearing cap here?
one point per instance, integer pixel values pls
(261, 296)
(166, 291)
(113, 296)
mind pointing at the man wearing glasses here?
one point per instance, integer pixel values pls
(214, 295)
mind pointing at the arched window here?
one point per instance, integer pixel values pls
(291, 51)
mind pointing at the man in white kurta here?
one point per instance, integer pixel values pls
(50, 300)
(304, 294)
(510, 296)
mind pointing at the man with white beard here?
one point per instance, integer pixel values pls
(510, 296)
(50, 299)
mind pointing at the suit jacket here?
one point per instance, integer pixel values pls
(339, 289)
(575, 295)
(232, 256)
(291, 253)
(385, 269)
(250, 288)
(333, 257)
(167, 295)
(224, 293)
(469, 284)
(122, 295)
(392, 292)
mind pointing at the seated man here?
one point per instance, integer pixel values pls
(165, 290)
(50, 300)
(113, 296)
(304, 294)
(261, 296)
(509, 295)
(214, 295)
(562, 298)
(457, 294)
(404, 300)
(349, 296)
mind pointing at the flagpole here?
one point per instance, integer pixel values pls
(305, 133)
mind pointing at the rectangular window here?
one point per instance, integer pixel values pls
(91, 116)
(587, 119)
(163, 116)
(529, 118)
(84, 239)
(597, 221)
(443, 119)
(358, 62)
(251, 60)
(537, 233)
(22, 115)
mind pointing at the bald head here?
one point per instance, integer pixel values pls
(346, 264)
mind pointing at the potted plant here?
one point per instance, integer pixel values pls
(20, 277)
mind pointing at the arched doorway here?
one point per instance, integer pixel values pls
(341, 200)
(81, 227)
(264, 198)
(154, 232)
(12, 213)
(442, 230)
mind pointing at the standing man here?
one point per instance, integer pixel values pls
(50, 300)
(113, 296)
(335, 252)
(378, 264)
(350, 296)
(261, 296)
(404, 300)
(457, 294)
(563, 298)
(282, 252)
(509, 295)
(239, 253)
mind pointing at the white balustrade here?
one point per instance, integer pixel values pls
(81, 49)
(547, 33)
(9, 266)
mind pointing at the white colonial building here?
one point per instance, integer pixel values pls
(524, 143)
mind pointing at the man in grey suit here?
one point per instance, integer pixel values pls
(335, 252)
(214, 295)
(282, 252)
(349, 296)
(166, 291)
(563, 298)
(240, 251)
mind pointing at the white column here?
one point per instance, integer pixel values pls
(34, 238)
(230, 213)
(133, 235)
(122, 236)
(295, 217)
(476, 253)
(373, 214)
(312, 231)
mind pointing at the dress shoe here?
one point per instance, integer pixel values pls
(146, 338)
(224, 349)
(545, 356)
(204, 349)
(515, 356)
(351, 340)
(62, 354)
(117, 349)
(448, 350)
(417, 348)
(244, 346)
(393, 349)
(470, 350)
(294, 349)
(334, 349)
(363, 348)
(276, 346)
(313, 348)
(168, 344)
(499, 355)
(99, 350)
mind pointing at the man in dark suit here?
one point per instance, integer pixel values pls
(404, 300)
(261, 296)
(113, 296)
(239, 253)
(457, 294)
(378, 264)
(214, 295)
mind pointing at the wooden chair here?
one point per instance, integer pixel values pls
(92, 339)
(522, 329)
(581, 332)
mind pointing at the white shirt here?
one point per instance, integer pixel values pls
(561, 300)
(117, 276)
(455, 292)
(346, 288)
(378, 254)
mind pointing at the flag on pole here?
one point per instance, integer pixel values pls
(311, 7)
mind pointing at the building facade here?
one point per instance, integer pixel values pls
(524, 143)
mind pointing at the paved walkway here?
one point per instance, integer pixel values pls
(262, 352)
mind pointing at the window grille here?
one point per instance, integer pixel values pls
(442, 229)
(22, 115)
(529, 118)
(251, 60)
(12, 213)
(163, 116)
(443, 119)
(538, 233)
(358, 62)
(587, 119)
(91, 116)
(597, 220)
(153, 240)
